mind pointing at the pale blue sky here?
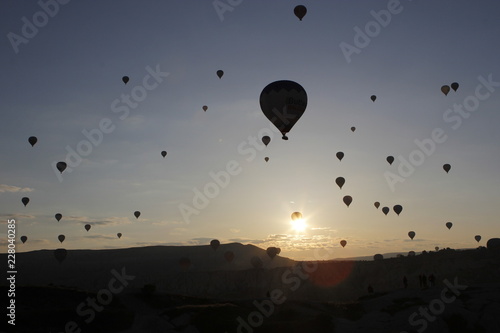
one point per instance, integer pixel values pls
(65, 79)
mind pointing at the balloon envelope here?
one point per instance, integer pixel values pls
(373, 98)
(447, 168)
(343, 243)
(449, 225)
(119, 235)
(205, 108)
(32, 140)
(125, 79)
(347, 200)
(25, 201)
(60, 254)
(340, 155)
(137, 214)
(87, 227)
(266, 139)
(385, 210)
(61, 166)
(340, 181)
(163, 153)
(58, 217)
(436, 248)
(378, 256)
(454, 86)
(300, 11)
(353, 128)
(411, 234)
(477, 238)
(24, 239)
(445, 90)
(283, 103)
(272, 252)
(61, 238)
(296, 216)
(377, 204)
(266, 159)
(390, 159)
(220, 73)
(214, 243)
(397, 209)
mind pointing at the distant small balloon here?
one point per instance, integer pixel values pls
(215, 244)
(300, 11)
(445, 90)
(436, 248)
(163, 153)
(272, 252)
(61, 238)
(385, 210)
(373, 98)
(296, 216)
(60, 254)
(125, 79)
(397, 209)
(266, 159)
(205, 108)
(340, 155)
(376, 204)
(119, 235)
(343, 243)
(25, 201)
(32, 140)
(447, 168)
(87, 227)
(411, 234)
(137, 214)
(449, 225)
(340, 181)
(477, 238)
(220, 73)
(58, 217)
(265, 140)
(347, 200)
(24, 239)
(390, 159)
(61, 166)
(454, 86)
(353, 128)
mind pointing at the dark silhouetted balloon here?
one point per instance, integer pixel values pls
(343, 243)
(454, 86)
(283, 103)
(376, 204)
(300, 11)
(205, 108)
(477, 238)
(266, 159)
(411, 234)
(397, 209)
(265, 140)
(32, 140)
(347, 200)
(163, 153)
(24, 239)
(493, 244)
(385, 210)
(411, 254)
(390, 159)
(436, 248)
(25, 201)
(447, 168)
(58, 217)
(214, 243)
(353, 128)
(220, 73)
(340, 181)
(378, 257)
(256, 262)
(87, 227)
(340, 155)
(137, 214)
(119, 235)
(272, 252)
(125, 79)
(61, 166)
(296, 216)
(449, 225)
(60, 254)
(61, 238)
(373, 98)
(445, 90)
(229, 256)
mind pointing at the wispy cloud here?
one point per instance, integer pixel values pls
(14, 189)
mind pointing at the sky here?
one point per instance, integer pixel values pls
(62, 65)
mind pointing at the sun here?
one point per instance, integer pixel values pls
(299, 225)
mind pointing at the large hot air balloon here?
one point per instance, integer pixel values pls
(61, 238)
(137, 214)
(214, 243)
(283, 103)
(256, 262)
(390, 159)
(385, 210)
(376, 204)
(119, 235)
(87, 227)
(477, 238)
(353, 129)
(411, 234)
(454, 86)
(340, 155)
(373, 98)
(347, 200)
(163, 153)
(205, 108)
(61, 166)
(445, 90)
(449, 225)
(272, 252)
(24, 239)
(25, 201)
(343, 243)
(266, 139)
(125, 79)
(32, 140)
(300, 11)
(397, 209)
(447, 168)
(60, 254)
(220, 73)
(340, 181)
(296, 216)
(58, 217)
(229, 255)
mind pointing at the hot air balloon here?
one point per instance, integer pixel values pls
(300, 11)
(25, 201)
(266, 159)
(24, 239)
(32, 140)
(447, 168)
(449, 225)
(378, 257)
(61, 238)
(119, 235)
(411, 254)
(390, 159)
(477, 238)
(220, 73)
(340, 155)
(60, 254)
(283, 103)
(256, 262)
(373, 98)
(205, 108)
(125, 79)
(340, 181)
(353, 129)
(377, 204)
(397, 209)
(385, 210)
(347, 200)
(61, 166)
(163, 153)
(229, 255)
(436, 248)
(296, 216)
(278, 250)
(214, 243)
(272, 252)
(343, 243)
(445, 90)
(137, 214)
(265, 140)
(87, 227)
(58, 217)
(454, 86)
(411, 234)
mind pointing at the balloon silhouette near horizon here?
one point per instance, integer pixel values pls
(296, 216)
(214, 243)
(137, 214)
(340, 155)
(300, 11)
(447, 167)
(347, 200)
(60, 254)
(220, 73)
(477, 238)
(24, 239)
(125, 79)
(449, 225)
(343, 243)
(32, 140)
(25, 201)
(119, 235)
(283, 103)
(87, 227)
(61, 238)
(58, 217)
(340, 181)
(272, 252)
(411, 234)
